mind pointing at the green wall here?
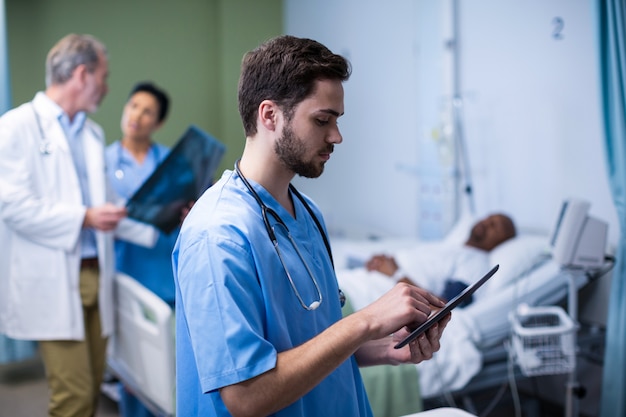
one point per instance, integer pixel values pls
(191, 48)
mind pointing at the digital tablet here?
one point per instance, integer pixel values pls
(435, 317)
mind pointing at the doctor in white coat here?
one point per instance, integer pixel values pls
(57, 222)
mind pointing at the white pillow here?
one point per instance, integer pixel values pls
(516, 256)
(459, 233)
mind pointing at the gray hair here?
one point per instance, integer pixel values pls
(70, 52)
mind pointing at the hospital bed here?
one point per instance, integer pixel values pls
(141, 352)
(474, 350)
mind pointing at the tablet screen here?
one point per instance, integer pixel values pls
(434, 318)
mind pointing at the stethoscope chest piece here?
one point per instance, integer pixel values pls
(45, 147)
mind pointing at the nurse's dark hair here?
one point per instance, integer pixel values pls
(284, 69)
(70, 52)
(158, 93)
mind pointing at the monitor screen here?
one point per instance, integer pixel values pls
(578, 239)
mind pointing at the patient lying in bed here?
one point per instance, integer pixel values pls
(464, 259)
(444, 270)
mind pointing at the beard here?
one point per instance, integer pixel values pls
(291, 150)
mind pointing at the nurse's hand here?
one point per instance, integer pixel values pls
(403, 305)
(105, 217)
(185, 211)
(421, 348)
(383, 351)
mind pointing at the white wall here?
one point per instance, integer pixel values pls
(530, 104)
(364, 187)
(533, 109)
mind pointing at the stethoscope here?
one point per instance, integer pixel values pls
(265, 211)
(45, 147)
(119, 172)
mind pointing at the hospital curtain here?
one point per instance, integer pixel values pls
(5, 86)
(612, 39)
(10, 350)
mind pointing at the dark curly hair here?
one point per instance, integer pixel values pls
(160, 95)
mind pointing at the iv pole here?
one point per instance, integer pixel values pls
(462, 165)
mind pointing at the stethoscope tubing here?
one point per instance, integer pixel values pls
(265, 210)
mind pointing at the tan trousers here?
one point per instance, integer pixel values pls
(74, 369)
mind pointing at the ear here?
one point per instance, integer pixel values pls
(80, 74)
(269, 115)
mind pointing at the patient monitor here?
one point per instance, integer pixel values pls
(578, 240)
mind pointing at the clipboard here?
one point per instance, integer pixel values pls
(185, 173)
(434, 318)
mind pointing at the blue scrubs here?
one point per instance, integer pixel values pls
(235, 308)
(150, 266)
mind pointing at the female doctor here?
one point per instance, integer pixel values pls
(130, 161)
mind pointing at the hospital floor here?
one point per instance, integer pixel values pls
(23, 392)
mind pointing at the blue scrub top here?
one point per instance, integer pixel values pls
(235, 308)
(150, 266)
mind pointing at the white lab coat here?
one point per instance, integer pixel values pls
(41, 215)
